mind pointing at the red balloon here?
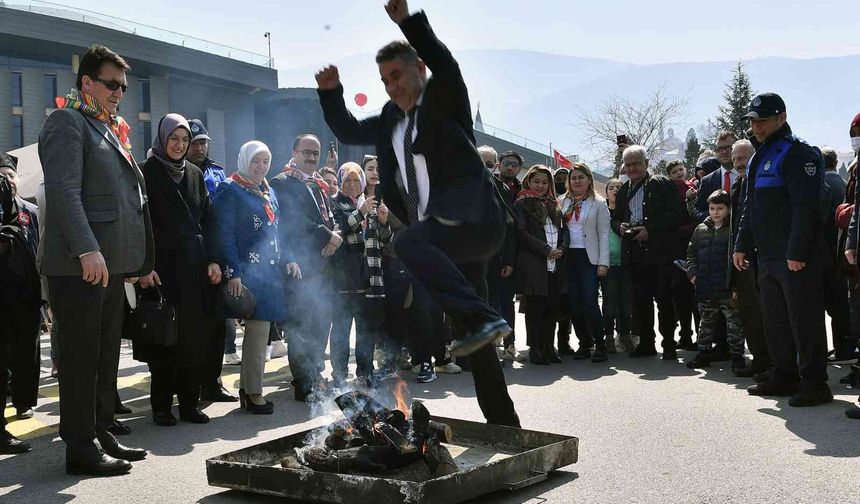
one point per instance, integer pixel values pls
(361, 99)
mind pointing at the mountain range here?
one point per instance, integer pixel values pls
(540, 96)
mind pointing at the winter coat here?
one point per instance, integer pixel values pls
(533, 250)
(662, 216)
(246, 244)
(709, 260)
(179, 214)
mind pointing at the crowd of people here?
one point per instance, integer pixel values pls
(425, 249)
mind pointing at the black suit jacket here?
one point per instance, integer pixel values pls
(301, 227)
(662, 213)
(460, 186)
(710, 183)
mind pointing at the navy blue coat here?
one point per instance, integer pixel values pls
(246, 245)
(780, 218)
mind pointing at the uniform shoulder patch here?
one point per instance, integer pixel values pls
(810, 168)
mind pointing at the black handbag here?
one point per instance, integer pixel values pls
(153, 321)
(232, 307)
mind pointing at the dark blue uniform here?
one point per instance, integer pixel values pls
(780, 222)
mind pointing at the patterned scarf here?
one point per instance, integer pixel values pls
(88, 105)
(574, 209)
(548, 201)
(374, 233)
(252, 187)
(314, 181)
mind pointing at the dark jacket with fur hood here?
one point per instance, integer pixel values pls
(532, 248)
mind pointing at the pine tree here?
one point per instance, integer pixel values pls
(737, 96)
(693, 150)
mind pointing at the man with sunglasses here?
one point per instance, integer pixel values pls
(97, 234)
(501, 279)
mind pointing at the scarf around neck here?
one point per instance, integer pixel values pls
(259, 190)
(167, 125)
(87, 105)
(315, 179)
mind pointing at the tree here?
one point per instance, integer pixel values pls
(693, 150)
(737, 96)
(642, 121)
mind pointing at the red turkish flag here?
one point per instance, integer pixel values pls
(561, 161)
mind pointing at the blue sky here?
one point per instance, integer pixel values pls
(310, 32)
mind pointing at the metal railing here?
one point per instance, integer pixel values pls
(142, 30)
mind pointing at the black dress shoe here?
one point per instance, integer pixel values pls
(194, 416)
(852, 378)
(811, 395)
(553, 357)
(118, 428)
(164, 418)
(565, 350)
(121, 409)
(643, 351)
(853, 412)
(538, 357)
(599, 355)
(484, 335)
(750, 371)
(219, 394)
(670, 354)
(762, 377)
(117, 450)
(772, 388)
(10, 445)
(582, 353)
(105, 465)
(721, 354)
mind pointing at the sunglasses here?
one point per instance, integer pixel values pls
(113, 85)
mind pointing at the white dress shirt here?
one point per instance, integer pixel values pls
(733, 175)
(422, 177)
(574, 227)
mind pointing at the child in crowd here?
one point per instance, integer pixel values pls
(615, 286)
(709, 267)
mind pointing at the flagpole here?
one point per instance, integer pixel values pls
(552, 153)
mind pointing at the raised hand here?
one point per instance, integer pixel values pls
(397, 10)
(328, 78)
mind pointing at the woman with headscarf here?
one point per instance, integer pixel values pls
(357, 271)
(184, 275)
(244, 228)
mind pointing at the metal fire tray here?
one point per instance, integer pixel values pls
(490, 457)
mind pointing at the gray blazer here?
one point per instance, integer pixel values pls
(595, 224)
(96, 199)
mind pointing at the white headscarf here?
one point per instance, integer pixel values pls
(247, 152)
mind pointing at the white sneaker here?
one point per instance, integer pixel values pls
(268, 353)
(449, 368)
(232, 359)
(279, 349)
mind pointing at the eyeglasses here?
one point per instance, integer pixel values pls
(724, 148)
(113, 85)
(311, 153)
(510, 164)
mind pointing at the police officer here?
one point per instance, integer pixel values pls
(780, 223)
(198, 153)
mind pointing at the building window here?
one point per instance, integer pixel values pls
(144, 96)
(50, 90)
(147, 135)
(17, 132)
(17, 95)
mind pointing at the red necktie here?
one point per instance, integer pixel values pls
(727, 181)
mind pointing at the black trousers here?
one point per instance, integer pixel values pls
(653, 283)
(169, 380)
(450, 263)
(686, 309)
(307, 329)
(835, 291)
(793, 309)
(563, 338)
(749, 311)
(501, 293)
(90, 319)
(210, 371)
(541, 316)
(19, 354)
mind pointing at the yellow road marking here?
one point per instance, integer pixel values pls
(26, 429)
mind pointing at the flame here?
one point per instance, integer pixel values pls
(401, 392)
